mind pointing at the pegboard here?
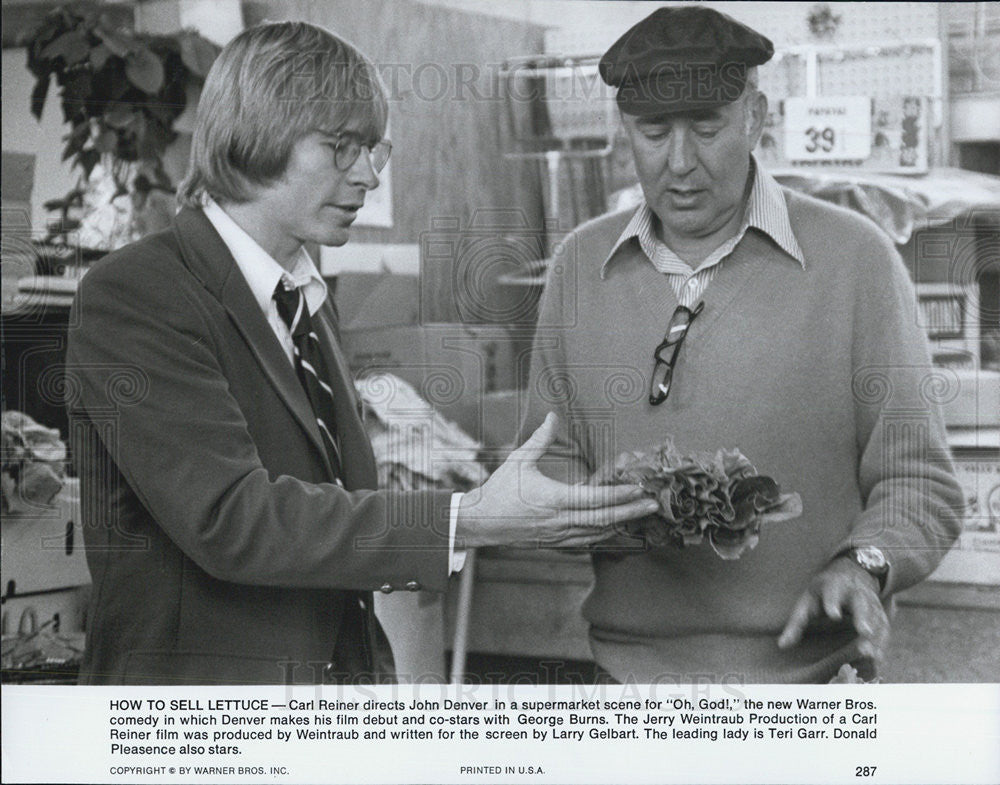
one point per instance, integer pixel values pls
(786, 24)
(783, 76)
(877, 49)
(879, 72)
(591, 28)
(890, 53)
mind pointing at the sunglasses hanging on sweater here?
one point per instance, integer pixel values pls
(663, 367)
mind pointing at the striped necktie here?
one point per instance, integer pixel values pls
(310, 367)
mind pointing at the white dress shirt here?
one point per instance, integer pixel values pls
(263, 273)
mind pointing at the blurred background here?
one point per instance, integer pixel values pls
(504, 139)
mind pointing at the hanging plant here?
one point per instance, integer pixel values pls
(120, 93)
(823, 23)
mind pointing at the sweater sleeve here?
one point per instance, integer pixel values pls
(550, 383)
(911, 499)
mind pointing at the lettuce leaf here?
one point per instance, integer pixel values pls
(716, 497)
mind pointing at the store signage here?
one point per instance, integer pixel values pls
(828, 128)
(880, 134)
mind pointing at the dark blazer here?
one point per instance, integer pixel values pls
(220, 550)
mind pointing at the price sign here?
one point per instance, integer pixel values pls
(828, 128)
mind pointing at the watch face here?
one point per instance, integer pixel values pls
(872, 559)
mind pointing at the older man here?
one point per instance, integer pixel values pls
(233, 529)
(801, 348)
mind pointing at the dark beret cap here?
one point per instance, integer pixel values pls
(682, 58)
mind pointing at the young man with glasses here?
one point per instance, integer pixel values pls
(728, 312)
(233, 528)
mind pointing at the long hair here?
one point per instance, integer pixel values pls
(270, 86)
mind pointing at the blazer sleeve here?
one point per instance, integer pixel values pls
(143, 360)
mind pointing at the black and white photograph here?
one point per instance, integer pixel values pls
(530, 391)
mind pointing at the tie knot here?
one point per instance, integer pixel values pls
(292, 309)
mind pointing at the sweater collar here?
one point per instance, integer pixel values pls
(766, 211)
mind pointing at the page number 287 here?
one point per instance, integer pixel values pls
(864, 771)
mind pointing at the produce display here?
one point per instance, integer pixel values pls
(33, 465)
(719, 498)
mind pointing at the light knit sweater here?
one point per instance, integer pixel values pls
(820, 376)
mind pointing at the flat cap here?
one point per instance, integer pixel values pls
(682, 58)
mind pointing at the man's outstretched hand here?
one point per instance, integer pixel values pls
(842, 589)
(518, 505)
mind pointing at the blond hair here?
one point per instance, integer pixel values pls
(270, 86)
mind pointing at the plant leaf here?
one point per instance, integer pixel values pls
(153, 140)
(106, 141)
(789, 506)
(119, 115)
(80, 131)
(40, 30)
(76, 140)
(197, 53)
(88, 159)
(164, 114)
(39, 94)
(139, 129)
(162, 179)
(72, 47)
(731, 551)
(99, 56)
(118, 44)
(702, 495)
(849, 675)
(144, 70)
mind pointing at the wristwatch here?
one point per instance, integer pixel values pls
(872, 561)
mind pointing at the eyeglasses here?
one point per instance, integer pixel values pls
(347, 148)
(663, 369)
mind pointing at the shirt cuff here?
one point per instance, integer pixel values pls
(456, 559)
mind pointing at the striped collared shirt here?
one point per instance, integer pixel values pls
(766, 211)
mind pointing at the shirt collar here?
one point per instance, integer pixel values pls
(261, 271)
(766, 211)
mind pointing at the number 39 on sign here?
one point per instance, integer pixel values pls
(828, 128)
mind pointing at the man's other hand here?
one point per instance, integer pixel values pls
(842, 588)
(518, 505)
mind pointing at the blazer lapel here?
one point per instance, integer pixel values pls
(208, 257)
